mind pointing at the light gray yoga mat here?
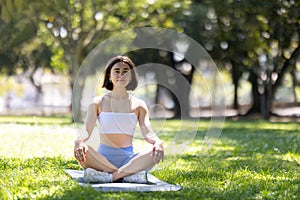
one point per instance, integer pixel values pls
(154, 184)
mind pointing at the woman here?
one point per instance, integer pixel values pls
(118, 112)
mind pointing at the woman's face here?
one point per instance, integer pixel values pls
(120, 74)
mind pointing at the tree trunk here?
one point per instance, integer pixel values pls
(287, 64)
(77, 88)
(182, 92)
(38, 88)
(256, 97)
(235, 75)
(262, 97)
(268, 101)
(235, 97)
(178, 92)
(294, 80)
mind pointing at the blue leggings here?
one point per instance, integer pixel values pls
(117, 156)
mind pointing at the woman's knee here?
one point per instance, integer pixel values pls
(148, 154)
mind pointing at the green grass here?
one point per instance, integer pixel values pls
(35, 120)
(251, 160)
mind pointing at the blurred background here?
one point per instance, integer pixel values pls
(255, 45)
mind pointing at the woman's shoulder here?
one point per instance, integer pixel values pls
(100, 98)
(140, 103)
(97, 100)
(97, 103)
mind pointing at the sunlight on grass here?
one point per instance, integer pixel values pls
(27, 141)
(35, 120)
(251, 160)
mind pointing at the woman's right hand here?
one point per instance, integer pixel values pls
(80, 150)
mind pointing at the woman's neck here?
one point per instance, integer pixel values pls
(119, 93)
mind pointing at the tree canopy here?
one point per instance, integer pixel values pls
(259, 38)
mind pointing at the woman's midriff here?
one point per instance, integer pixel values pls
(116, 140)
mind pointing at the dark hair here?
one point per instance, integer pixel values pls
(134, 77)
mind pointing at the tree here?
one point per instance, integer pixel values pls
(253, 36)
(78, 26)
(21, 50)
(16, 29)
(168, 81)
(277, 28)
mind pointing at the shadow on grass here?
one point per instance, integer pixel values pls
(219, 177)
(249, 161)
(214, 176)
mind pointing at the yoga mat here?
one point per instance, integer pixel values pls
(154, 184)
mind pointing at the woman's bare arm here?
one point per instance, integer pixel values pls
(149, 135)
(80, 148)
(90, 119)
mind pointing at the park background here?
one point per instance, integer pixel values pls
(254, 44)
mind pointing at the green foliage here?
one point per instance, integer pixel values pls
(251, 160)
(237, 34)
(79, 26)
(9, 84)
(21, 50)
(257, 37)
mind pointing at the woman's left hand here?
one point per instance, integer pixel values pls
(80, 150)
(158, 152)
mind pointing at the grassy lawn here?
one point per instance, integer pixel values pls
(251, 160)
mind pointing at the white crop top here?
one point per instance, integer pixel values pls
(112, 122)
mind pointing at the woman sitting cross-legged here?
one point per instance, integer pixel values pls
(118, 113)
